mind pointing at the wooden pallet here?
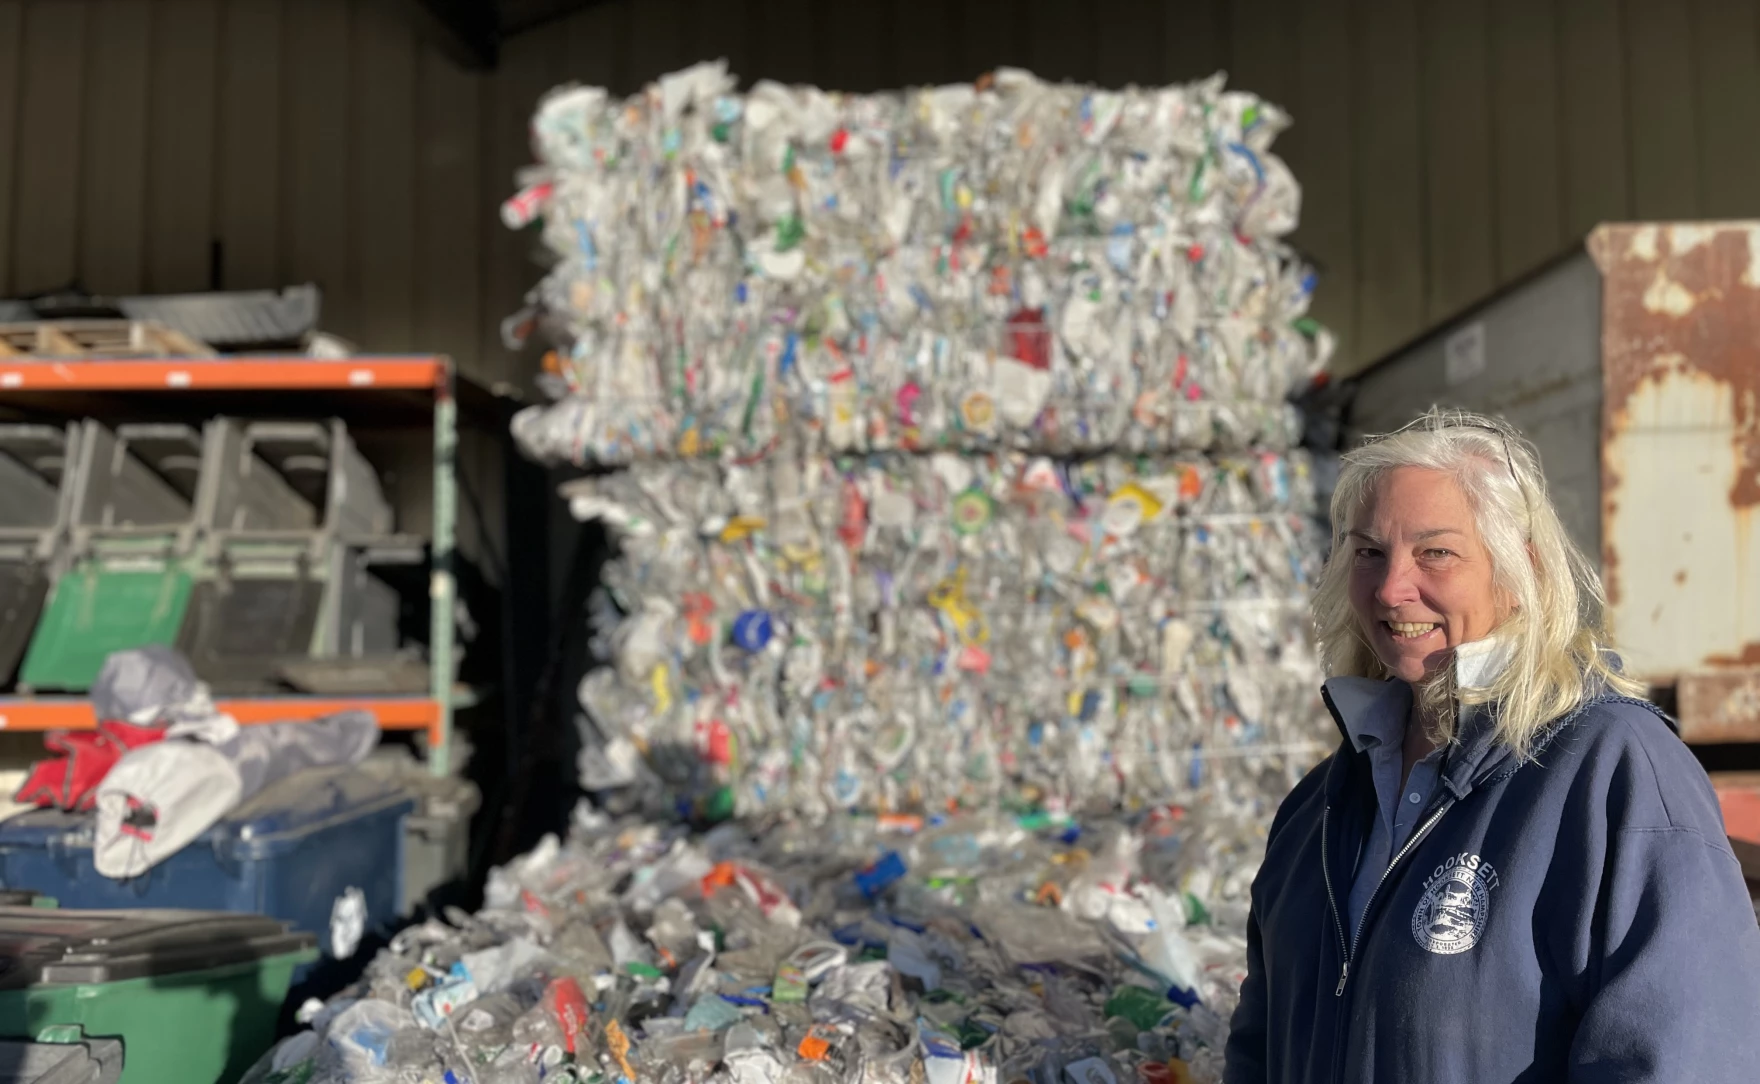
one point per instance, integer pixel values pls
(57, 339)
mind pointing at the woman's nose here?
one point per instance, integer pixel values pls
(1398, 584)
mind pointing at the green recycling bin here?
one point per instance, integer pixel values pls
(124, 579)
(192, 996)
(100, 606)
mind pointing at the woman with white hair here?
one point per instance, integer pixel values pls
(1511, 869)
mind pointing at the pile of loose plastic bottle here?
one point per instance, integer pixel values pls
(1021, 948)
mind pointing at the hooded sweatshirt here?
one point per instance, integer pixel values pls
(1575, 917)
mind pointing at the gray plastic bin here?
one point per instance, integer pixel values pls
(360, 619)
(33, 459)
(85, 1061)
(114, 489)
(294, 521)
(437, 833)
(243, 492)
(34, 517)
(437, 841)
(321, 462)
(174, 452)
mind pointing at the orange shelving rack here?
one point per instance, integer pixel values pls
(24, 381)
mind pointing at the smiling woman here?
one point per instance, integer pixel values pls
(1420, 578)
(1448, 524)
(1513, 868)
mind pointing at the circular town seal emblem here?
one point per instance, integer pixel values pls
(1451, 915)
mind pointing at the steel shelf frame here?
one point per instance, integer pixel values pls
(433, 374)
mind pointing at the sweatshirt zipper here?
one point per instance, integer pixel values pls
(1326, 873)
(1356, 941)
(1349, 948)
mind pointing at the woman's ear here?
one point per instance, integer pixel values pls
(1507, 602)
(1510, 602)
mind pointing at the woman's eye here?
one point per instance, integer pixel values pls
(1366, 554)
(1437, 555)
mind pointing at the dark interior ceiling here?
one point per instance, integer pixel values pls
(473, 30)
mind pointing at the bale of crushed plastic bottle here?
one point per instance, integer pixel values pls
(1015, 265)
(821, 634)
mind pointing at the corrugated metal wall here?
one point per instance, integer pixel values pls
(1447, 146)
(166, 145)
(171, 145)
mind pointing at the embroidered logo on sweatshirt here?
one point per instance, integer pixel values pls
(1452, 913)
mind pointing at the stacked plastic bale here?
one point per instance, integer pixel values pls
(959, 466)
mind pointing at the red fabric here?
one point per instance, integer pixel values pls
(46, 786)
(90, 756)
(128, 736)
(70, 781)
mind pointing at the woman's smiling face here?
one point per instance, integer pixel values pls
(1421, 580)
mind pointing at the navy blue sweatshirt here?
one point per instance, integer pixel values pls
(1577, 917)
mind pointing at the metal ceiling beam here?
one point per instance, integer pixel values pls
(467, 30)
(518, 16)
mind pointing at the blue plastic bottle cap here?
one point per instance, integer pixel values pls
(753, 629)
(877, 877)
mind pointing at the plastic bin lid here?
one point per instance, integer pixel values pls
(88, 948)
(268, 825)
(91, 1061)
(311, 800)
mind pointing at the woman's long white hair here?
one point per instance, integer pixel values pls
(1555, 626)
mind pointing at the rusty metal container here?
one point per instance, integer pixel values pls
(1738, 794)
(1635, 367)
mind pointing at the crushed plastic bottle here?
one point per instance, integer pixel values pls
(921, 979)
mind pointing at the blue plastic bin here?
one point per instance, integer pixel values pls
(322, 850)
